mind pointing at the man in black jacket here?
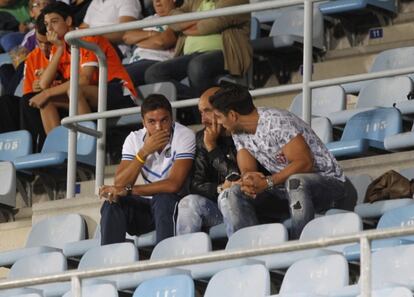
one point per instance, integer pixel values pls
(214, 161)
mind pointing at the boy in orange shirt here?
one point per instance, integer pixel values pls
(121, 92)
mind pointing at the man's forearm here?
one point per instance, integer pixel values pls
(162, 186)
(49, 74)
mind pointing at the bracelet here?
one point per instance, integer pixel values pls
(140, 160)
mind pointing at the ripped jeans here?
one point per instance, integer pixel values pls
(306, 194)
(196, 212)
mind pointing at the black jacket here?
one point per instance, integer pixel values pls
(211, 168)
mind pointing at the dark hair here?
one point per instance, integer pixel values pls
(154, 102)
(232, 97)
(58, 7)
(40, 24)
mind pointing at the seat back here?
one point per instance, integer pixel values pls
(8, 184)
(290, 22)
(391, 292)
(180, 285)
(15, 144)
(182, 246)
(407, 172)
(324, 101)
(393, 266)
(101, 290)
(398, 217)
(360, 183)
(393, 59)
(373, 125)
(258, 236)
(57, 141)
(37, 265)
(247, 280)
(316, 275)
(323, 128)
(332, 225)
(56, 231)
(109, 255)
(385, 92)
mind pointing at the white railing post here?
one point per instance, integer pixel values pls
(73, 103)
(307, 60)
(76, 287)
(365, 273)
(101, 142)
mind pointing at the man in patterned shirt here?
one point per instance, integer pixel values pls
(301, 168)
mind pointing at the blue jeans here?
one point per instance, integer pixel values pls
(196, 212)
(306, 194)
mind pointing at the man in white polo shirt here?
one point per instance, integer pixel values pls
(162, 152)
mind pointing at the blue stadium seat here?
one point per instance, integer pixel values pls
(387, 60)
(36, 265)
(15, 144)
(324, 101)
(391, 292)
(101, 290)
(344, 6)
(173, 285)
(315, 276)
(389, 267)
(401, 141)
(170, 248)
(287, 31)
(55, 150)
(7, 185)
(398, 217)
(366, 131)
(323, 128)
(28, 295)
(48, 235)
(324, 226)
(248, 280)
(383, 92)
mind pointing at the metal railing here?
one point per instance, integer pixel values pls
(364, 238)
(73, 38)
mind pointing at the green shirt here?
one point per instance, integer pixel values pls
(203, 43)
(20, 10)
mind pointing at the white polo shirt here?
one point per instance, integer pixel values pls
(157, 165)
(108, 12)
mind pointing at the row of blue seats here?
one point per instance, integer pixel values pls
(49, 234)
(385, 268)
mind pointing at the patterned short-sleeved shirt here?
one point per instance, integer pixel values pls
(274, 130)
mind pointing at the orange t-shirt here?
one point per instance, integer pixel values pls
(88, 58)
(36, 60)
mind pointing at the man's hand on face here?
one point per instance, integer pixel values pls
(253, 183)
(211, 134)
(155, 142)
(53, 38)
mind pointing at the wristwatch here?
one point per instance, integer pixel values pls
(270, 183)
(128, 190)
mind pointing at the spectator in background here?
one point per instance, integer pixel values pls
(302, 170)
(110, 12)
(205, 49)
(162, 152)
(36, 62)
(11, 74)
(215, 160)
(121, 92)
(19, 9)
(153, 44)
